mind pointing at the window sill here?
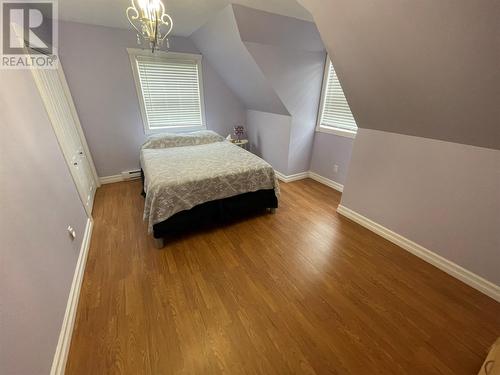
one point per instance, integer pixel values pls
(339, 132)
(174, 129)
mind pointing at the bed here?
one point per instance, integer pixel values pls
(194, 178)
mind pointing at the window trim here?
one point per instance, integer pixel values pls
(133, 52)
(324, 128)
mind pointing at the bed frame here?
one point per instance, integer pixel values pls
(217, 211)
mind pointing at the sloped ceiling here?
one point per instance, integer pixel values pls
(225, 39)
(277, 30)
(426, 68)
(219, 41)
(188, 15)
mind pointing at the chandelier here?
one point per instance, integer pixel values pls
(153, 25)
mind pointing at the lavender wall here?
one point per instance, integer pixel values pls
(37, 257)
(328, 150)
(269, 137)
(441, 195)
(296, 76)
(291, 55)
(99, 75)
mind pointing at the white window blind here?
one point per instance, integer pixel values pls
(335, 111)
(170, 91)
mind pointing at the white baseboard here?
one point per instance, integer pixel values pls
(282, 177)
(110, 179)
(453, 269)
(116, 178)
(62, 349)
(292, 177)
(309, 174)
(326, 181)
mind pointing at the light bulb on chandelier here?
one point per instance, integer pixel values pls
(152, 24)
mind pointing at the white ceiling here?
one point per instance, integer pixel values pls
(188, 15)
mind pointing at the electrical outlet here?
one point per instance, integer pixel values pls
(335, 168)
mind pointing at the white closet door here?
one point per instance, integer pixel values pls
(62, 113)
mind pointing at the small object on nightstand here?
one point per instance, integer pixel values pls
(239, 130)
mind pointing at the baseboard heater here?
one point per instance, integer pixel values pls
(131, 175)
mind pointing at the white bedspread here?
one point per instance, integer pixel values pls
(179, 178)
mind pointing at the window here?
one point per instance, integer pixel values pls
(335, 115)
(170, 90)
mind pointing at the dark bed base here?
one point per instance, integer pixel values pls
(221, 210)
(217, 211)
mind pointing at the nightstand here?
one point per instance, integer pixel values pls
(243, 143)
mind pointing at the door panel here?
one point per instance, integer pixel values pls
(60, 108)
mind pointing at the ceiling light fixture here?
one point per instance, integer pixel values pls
(153, 25)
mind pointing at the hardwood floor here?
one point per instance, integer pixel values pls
(303, 291)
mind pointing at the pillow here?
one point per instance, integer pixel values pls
(166, 140)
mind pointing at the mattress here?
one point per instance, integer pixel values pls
(179, 178)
